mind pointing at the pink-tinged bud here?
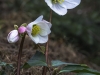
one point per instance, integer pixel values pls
(13, 36)
(22, 29)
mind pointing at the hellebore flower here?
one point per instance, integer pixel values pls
(38, 30)
(13, 36)
(61, 6)
(21, 29)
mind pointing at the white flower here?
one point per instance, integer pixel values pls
(38, 30)
(61, 6)
(13, 36)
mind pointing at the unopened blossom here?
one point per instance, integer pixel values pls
(13, 36)
(22, 29)
(61, 6)
(38, 30)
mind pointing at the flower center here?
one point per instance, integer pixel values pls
(57, 1)
(35, 30)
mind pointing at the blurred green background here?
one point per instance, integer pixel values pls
(80, 26)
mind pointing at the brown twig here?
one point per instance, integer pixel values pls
(19, 54)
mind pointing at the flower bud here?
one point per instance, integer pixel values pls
(21, 29)
(16, 27)
(13, 36)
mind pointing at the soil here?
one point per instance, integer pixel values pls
(58, 50)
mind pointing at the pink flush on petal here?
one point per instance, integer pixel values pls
(13, 36)
(22, 29)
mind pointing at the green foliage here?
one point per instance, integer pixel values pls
(36, 60)
(80, 69)
(85, 74)
(2, 73)
(6, 68)
(42, 49)
(39, 60)
(56, 63)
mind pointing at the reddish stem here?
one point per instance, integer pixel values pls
(47, 49)
(19, 54)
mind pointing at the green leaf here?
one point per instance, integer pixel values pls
(37, 60)
(92, 71)
(85, 74)
(2, 63)
(8, 67)
(79, 69)
(2, 73)
(58, 63)
(26, 66)
(43, 49)
(71, 68)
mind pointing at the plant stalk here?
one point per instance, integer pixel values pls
(47, 49)
(19, 54)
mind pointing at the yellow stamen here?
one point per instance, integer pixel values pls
(57, 1)
(35, 30)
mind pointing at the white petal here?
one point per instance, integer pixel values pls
(35, 38)
(43, 39)
(59, 9)
(39, 19)
(30, 25)
(48, 23)
(49, 3)
(13, 40)
(45, 29)
(13, 36)
(70, 4)
(43, 33)
(13, 33)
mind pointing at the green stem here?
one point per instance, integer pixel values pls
(47, 49)
(19, 54)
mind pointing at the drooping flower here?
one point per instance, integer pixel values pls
(61, 6)
(22, 29)
(38, 30)
(13, 36)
